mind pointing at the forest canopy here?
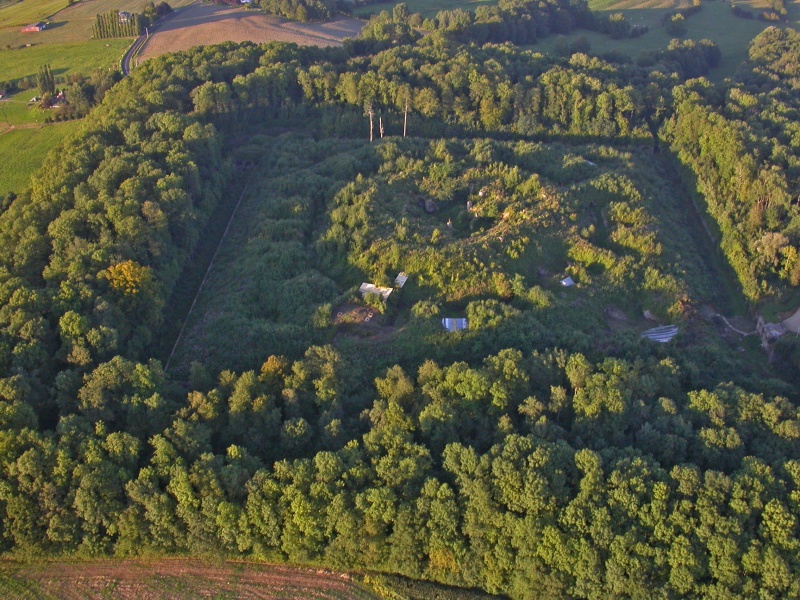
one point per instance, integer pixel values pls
(545, 451)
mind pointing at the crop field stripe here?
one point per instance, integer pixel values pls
(208, 270)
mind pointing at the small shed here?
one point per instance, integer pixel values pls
(661, 334)
(124, 16)
(34, 27)
(568, 281)
(453, 325)
(376, 290)
(400, 280)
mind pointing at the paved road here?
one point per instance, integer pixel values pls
(137, 45)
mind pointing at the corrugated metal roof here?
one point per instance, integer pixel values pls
(453, 325)
(371, 288)
(661, 334)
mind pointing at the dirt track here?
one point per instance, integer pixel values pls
(203, 24)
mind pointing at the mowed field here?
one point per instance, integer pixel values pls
(67, 44)
(204, 24)
(173, 579)
(66, 23)
(23, 151)
(64, 59)
(29, 11)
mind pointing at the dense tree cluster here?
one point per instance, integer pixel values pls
(301, 10)
(125, 204)
(124, 24)
(516, 21)
(521, 456)
(530, 475)
(743, 152)
(112, 25)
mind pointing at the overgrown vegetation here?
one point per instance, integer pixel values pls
(742, 152)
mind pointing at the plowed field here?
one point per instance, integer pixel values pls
(172, 579)
(204, 24)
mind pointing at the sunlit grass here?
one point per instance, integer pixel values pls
(24, 151)
(63, 59)
(29, 11)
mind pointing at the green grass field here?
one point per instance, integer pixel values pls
(68, 48)
(24, 150)
(17, 111)
(715, 22)
(63, 59)
(72, 24)
(29, 11)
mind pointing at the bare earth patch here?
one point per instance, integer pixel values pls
(352, 313)
(361, 323)
(203, 24)
(174, 578)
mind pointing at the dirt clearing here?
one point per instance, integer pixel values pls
(173, 578)
(793, 323)
(203, 24)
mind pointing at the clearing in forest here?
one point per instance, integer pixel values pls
(510, 220)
